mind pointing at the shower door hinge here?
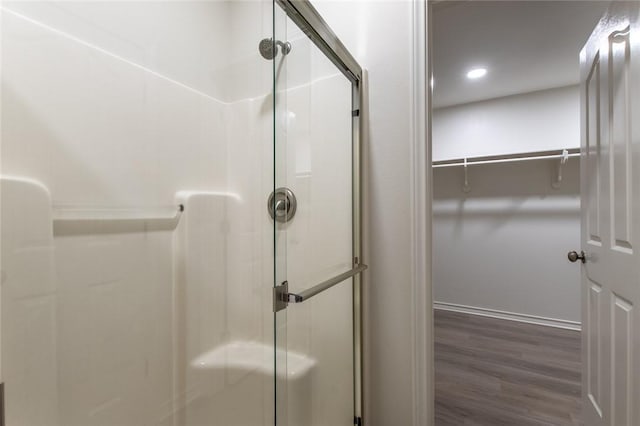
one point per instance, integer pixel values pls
(357, 421)
(280, 296)
(355, 113)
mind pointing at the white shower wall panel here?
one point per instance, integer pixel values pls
(250, 243)
(201, 44)
(103, 132)
(214, 307)
(114, 350)
(28, 280)
(247, 75)
(100, 130)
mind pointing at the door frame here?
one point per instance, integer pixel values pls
(421, 190)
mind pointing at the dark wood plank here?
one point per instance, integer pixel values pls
(492, 372)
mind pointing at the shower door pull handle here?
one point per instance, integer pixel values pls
(282, 297)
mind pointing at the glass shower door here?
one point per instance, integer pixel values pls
(316, 225)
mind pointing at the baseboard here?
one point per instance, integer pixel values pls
(511, 316)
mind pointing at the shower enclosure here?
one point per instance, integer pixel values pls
(180, 215)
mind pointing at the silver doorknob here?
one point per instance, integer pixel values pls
(573, 256)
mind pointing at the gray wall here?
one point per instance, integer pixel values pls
(537, 121)
(503, 246)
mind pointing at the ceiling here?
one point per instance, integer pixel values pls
(525, 46)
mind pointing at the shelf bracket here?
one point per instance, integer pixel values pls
(563, 160)
(466, 188)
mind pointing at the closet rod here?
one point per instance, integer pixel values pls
(493, 159)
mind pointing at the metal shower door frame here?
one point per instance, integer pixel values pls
(307, 18)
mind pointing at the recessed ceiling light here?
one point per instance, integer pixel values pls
(476, 73)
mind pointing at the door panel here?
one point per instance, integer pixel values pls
(621, 330)
(618, 45)
(593, 152)
(610, 80)
(594, 346)
(314, 158)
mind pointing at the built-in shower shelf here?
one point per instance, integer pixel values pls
(257, 357)
(77, 220)
(106, 214)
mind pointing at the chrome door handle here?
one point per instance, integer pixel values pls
(573, 256)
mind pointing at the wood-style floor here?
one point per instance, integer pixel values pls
(493, 372)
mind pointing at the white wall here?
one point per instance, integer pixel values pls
(503, 246)
(380, 35)
(537, 121)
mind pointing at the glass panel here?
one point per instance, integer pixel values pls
(314, 160)
(137, 251)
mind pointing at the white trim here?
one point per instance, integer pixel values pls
(511, 316)
(420, 195)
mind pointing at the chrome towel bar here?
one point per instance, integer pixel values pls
(282, 297)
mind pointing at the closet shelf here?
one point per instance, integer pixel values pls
(508, 158)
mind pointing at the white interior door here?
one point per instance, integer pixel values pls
(610, 87)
